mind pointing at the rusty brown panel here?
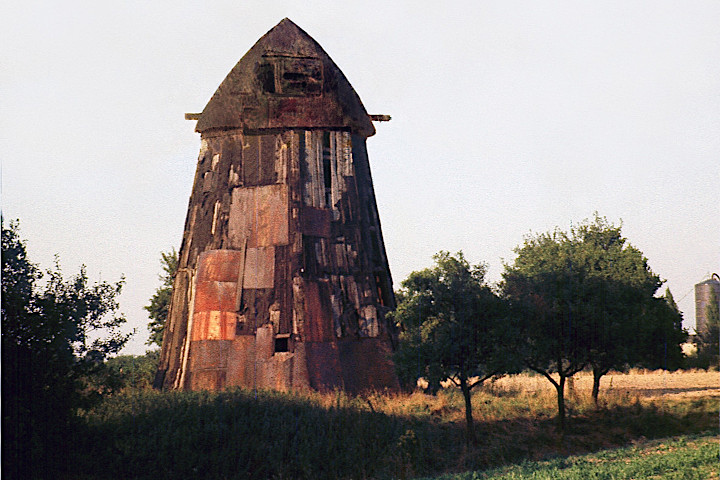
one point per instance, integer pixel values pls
(318, 312)
(215, 296)
(259, 268)
(241, 362)
(214, 325)
(260, 215)
(323, 364)
(207, 356)
(200, 326)
(315, 221)
(219, 265)
(367, 365)
(276, 372)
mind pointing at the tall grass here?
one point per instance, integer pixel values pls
(265, 434)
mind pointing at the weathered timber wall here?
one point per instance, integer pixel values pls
(283, 280)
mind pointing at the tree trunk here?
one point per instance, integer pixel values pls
(560, 386)
(470, 425)
(597, 375)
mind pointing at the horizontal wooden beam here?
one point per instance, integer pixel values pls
(374, 118)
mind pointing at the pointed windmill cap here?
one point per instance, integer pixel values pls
(286, 80)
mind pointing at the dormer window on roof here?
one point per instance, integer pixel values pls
(290, 76)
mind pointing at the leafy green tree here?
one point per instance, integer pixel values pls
(160, 301)
(627, 323)
(659, 335)
(586, 297)
(125, 372)
(451, 328)
(542, 287)
(50, 344)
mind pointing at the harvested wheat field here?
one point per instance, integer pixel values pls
(640, 383)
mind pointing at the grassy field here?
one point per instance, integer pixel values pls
(247, 434)
(686, 458)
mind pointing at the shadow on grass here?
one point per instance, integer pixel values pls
(240, 434)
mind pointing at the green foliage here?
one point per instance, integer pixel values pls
(451, 327)
(125, 373)
(660, 334)
(160, 301)
(584, 297)
(50, 345)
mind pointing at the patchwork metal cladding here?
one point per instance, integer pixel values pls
(283, 280)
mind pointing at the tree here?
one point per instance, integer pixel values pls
(160, 301)
(659, 335)
(125, 372)
(617, 301)
(50, 345)
(542, 286)
(586, 297)
(450, 327)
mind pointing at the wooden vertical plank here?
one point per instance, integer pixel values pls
(240, 276)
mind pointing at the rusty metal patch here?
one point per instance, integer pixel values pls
(323, 363)
(214, 325)
(207, 365)
(215, 296)
(219, 265)
(318, 312)
(241, 361)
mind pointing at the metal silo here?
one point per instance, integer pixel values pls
(703, 296)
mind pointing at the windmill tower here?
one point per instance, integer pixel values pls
(283, 281)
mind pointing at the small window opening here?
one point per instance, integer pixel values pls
(282, 344)
(266, 76)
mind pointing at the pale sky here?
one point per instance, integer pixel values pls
(507, 117)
